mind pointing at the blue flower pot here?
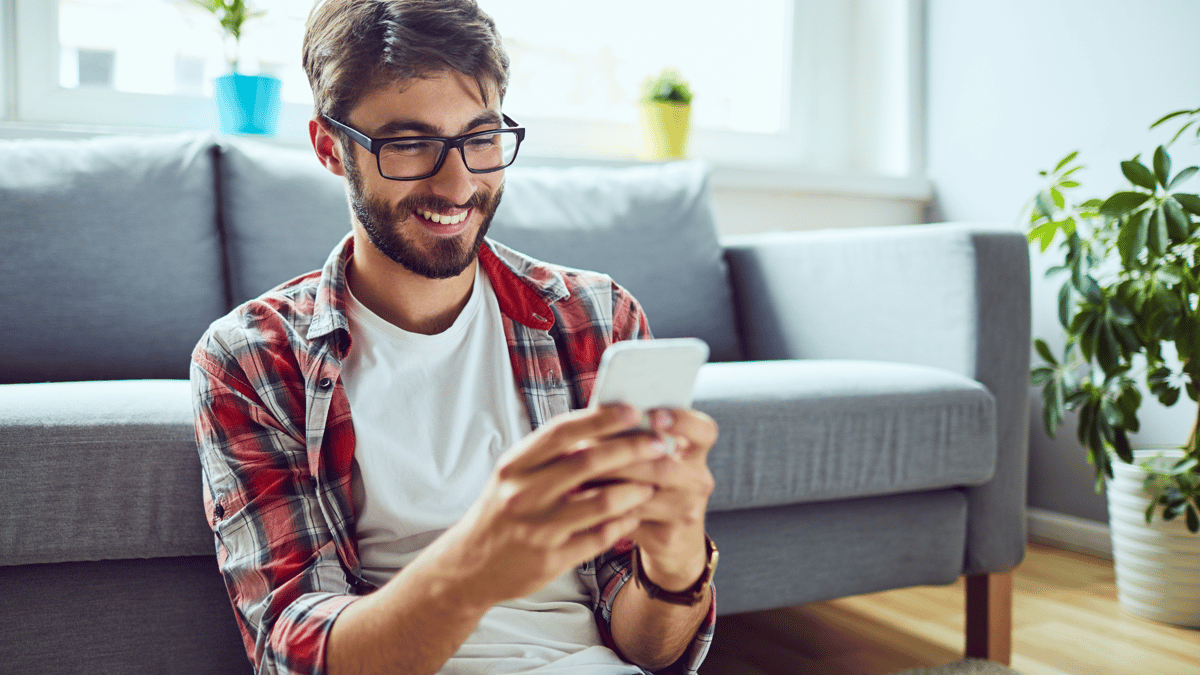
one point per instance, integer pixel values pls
(248, 104)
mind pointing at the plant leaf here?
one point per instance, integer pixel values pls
(1043, 351)
(1044, 235)
(1162, 165)
(1193, 519)
(1158, 239)
(1059, 200)
(1182, 176)
(1137, 173)
(1052, 405)
(1178, 223)
(1064, 305)
(1044, 204)
(1122, 203)
(1121, 445)
(1119, 312)
(1131, 239)
(1092, 290)
(1189, 202)
(1041, 375)
(1172, 115)
(1067, 160)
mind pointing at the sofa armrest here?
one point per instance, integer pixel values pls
(951, 296)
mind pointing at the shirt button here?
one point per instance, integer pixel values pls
(325, 383)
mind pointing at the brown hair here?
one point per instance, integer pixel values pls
(354, 46)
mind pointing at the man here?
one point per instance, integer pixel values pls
(393, 471)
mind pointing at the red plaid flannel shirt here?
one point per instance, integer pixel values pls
(276, 443)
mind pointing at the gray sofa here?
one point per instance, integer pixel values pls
(869, 384)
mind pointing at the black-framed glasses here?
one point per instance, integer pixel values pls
(417, 157)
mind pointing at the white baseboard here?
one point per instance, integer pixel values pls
(1069, 532)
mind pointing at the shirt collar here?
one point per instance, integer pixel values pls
(525, 288)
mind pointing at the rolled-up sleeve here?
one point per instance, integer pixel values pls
(274, 547)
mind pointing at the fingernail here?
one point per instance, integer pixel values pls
(663, 420)
(665, 445)
(629, 412)
(660, 447)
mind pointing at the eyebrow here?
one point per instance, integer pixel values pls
(395, 127)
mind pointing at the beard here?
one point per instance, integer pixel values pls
(447, 256)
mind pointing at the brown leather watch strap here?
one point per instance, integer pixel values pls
(690, 595)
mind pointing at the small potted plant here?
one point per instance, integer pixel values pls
(246, 104)
(666, 116)
(1130, 308)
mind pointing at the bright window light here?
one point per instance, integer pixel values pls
(174, 47)
(570, 60)
(587, 61)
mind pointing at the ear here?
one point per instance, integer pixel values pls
(326, 145)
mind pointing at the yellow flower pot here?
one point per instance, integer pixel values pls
(665, 128)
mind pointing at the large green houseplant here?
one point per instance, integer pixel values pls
(1131, 297)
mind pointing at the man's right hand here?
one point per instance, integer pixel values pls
(546, 508)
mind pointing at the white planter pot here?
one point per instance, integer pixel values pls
(1157, 565)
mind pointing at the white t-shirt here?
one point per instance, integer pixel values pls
(431, 414)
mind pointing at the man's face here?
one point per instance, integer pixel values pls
(401, 218)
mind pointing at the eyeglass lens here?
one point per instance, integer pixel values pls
(406, 159)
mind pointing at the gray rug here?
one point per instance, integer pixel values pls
(967, 667)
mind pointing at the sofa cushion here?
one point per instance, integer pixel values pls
(99, 470)
(805, 431)
(283, 212)
(112, 259)
(650, 228)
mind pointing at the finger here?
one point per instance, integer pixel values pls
(661, 472)
(592, 508)
(698, 430)
(667, 473)
(599, 463)
(588, 544)
(566, 432)
(673, 508)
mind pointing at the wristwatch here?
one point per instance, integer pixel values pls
(690, 595)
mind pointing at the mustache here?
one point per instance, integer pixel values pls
(434, 203)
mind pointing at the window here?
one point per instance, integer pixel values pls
(799, 84)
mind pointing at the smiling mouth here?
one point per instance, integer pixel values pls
(443, 219)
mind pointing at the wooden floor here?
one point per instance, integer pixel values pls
(1066, 621)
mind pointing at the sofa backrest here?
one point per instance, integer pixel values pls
(116, 253)
(109, 258)
(282, 212)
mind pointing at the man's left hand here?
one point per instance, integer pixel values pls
(671, 536)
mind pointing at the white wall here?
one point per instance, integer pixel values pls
(1014, 86)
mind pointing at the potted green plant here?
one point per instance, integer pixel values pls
(246, 104)
(1129, 308)
(666, 106)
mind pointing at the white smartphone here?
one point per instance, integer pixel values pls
(649, 374)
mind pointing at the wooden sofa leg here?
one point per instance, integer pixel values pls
(989, 617)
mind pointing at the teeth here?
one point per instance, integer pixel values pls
(443, 220)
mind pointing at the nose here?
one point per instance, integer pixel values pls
(453, 181)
